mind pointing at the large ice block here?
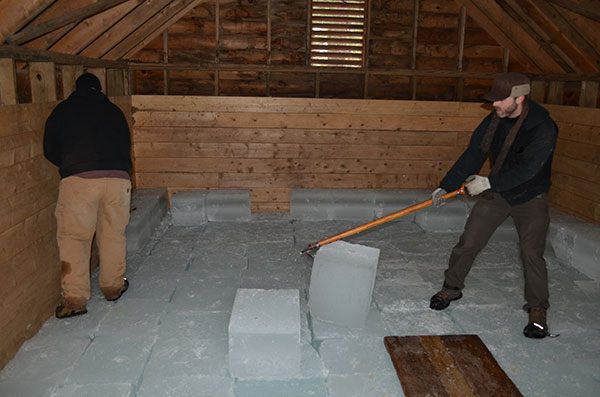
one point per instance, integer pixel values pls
(341, 283)
(188, 208)
(264, 334)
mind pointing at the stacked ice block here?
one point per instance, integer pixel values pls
(264, 334)
(341, 283)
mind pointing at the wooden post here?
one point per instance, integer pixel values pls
(115, 84)
(460, 82)
(589, 94)
(165, 61)
(538, 91)
(43, 81)
(101, 74)
(69, 76)
(413, 60)
(555, 92)
(8, 82)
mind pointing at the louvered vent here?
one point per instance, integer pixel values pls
(337, 33)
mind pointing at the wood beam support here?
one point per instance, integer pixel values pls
(589, 94)
(565, 35)
(494, 20)
(28, 54)
(587, 10)
(8, 82)
(122, 29)
(158, 30)
(16, 14)
(42, 76)
(31, 32)
(92, 28)
(70, 73)
(156, 22)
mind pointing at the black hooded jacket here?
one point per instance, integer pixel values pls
(525, 172)
(86, 132)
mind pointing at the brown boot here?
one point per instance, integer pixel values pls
(537, 327)
(65, 310)
(442, 299)
(112, 296)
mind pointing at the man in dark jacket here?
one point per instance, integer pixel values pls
(87, 138)
(520, 137)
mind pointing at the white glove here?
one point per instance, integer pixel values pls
(476, 184)
(436, 197)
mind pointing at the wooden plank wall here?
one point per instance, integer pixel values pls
(29, 264)
(576, 167)
(29, 268)
(272, 145)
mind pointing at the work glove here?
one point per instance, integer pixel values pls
(436, 197)
(476, 184)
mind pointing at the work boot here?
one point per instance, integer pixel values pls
(442, 299)
(64, 311)
(537, 327)
(120, 293)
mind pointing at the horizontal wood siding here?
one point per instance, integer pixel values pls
(29, 264)
(272, 145)
(576, 167)
(29, 267)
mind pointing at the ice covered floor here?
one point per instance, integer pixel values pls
(167, 336)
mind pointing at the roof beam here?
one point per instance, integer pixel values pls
(16, 14)
(89, 30)
(33, 55)
(31, 32)
(566, 37)
(482, 19)
(587, 10)
(158, 23)
(124, 27)
(508, 33)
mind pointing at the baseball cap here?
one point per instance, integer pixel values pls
(506, 85)
(88, 81)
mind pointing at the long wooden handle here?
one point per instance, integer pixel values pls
(387, 218)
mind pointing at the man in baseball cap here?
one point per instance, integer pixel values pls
(520, 138)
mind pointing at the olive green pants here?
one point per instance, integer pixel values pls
(531, 220)
(85, 207)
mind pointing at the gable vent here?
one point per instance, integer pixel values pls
(337, 33)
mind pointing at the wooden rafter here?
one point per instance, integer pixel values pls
(124, 28)
(588, 10)
(571, 42)
(508, 33)
(170, 22)
(484, 21)
(58, 8)
(174, 11)
(16, 14)
(92, 28)
(76, 16)
(537, 25)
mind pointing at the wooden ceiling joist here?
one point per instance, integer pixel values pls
(587, 9)
(33, 55)
(582, 54)
(124, 28)
(508, 33)
(482, 19)
(173, 12)
(16, 14)
(31, 32)
(89, 30)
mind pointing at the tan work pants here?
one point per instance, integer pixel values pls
(85, 207)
